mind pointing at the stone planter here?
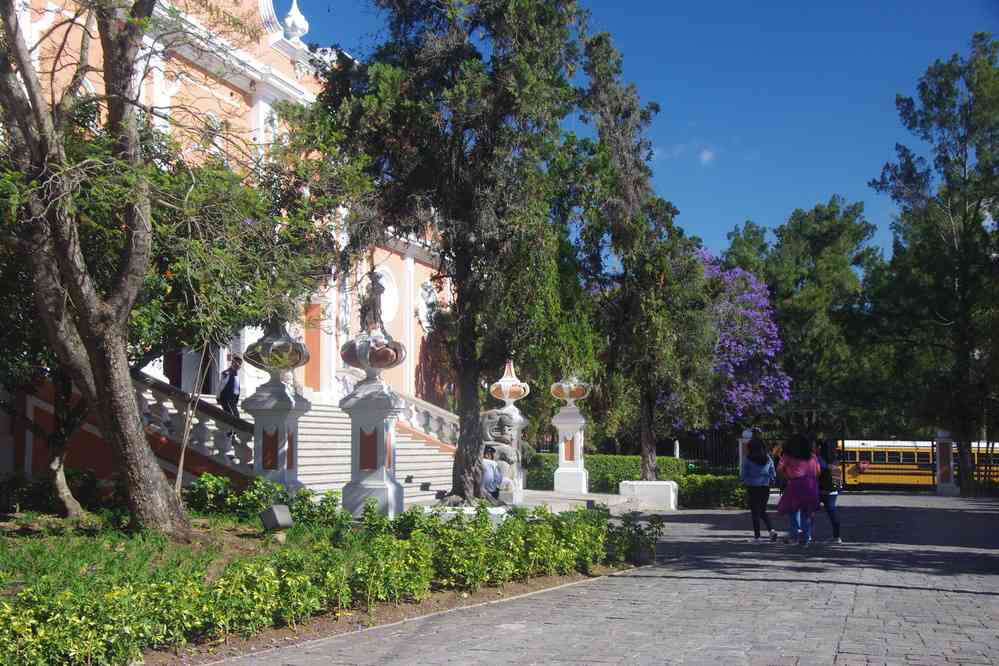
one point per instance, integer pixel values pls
(651, 495)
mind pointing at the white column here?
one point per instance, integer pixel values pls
(943, 452)
(408, 331)
(571, 475)
(327, 343)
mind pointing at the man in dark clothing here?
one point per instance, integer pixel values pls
(229, 394)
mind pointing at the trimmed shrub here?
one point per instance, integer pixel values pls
(707, 491)
(105, 599)
(605, 471)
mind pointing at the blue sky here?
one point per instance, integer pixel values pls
(766, 106)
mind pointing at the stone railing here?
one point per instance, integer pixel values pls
(163, 409)
(430, 419)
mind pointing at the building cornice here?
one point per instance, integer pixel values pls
(242, 69)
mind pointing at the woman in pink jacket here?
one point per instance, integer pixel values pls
(800, 500)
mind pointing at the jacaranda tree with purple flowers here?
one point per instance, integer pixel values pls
(748, 378)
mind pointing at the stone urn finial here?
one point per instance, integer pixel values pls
(276, 352)
(570, 390)
(373, 350)
(295, 24)
(509, 389)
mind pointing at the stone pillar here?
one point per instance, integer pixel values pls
(571, 475)
(744, 438)
(943, 451)
(373, 408)
(276, 409)
(276, 406)
(509, 389)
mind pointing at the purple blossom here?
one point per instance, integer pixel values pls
(749, 379)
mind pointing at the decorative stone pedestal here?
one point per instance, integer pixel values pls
(654, 495)
(943, 453)
(373, 408)
(571, 475)
(501, 430)
(275, 406)
(276, 410)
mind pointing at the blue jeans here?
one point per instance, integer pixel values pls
(829, 501)
(801, 526)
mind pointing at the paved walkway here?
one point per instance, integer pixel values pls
(917, 583)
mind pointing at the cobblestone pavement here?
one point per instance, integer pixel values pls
(916, 583)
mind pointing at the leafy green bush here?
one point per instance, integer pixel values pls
(605, 471)
(208, 494)
(631, 541)
(390, 569)
(706, 491)
(105, 598)
(461, 550)
(261, 494)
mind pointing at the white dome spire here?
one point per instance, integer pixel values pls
(295, 25)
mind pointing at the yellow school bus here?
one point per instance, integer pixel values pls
(899, 463)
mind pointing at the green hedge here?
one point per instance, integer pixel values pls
(70, 599)
(607, 471)
(708, 491)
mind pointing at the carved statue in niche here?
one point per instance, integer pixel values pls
(499, 431)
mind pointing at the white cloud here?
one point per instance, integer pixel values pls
(706, 156)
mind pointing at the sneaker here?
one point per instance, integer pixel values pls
(836, 540)
(773, 535)
(807, 543)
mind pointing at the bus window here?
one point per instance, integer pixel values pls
(864, 456)
(879, 456)
(923, 457)
(894, 457)
(850, 456)
(908, 457)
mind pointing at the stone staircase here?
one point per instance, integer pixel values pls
(324, 454)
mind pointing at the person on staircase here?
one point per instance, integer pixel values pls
(229, 393)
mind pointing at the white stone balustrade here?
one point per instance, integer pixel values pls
(429, 419)
(162, 407)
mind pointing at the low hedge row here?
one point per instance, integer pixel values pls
(605, 471)
(117, 617)
(608, 471)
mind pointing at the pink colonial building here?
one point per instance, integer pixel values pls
(229, 80)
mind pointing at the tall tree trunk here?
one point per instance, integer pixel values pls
(467, 470)
(647, 410)
(150, 500)
(69, 505)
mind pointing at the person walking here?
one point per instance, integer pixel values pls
(756, 474)
(800, 500)
(830, 481)
(229, 393)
